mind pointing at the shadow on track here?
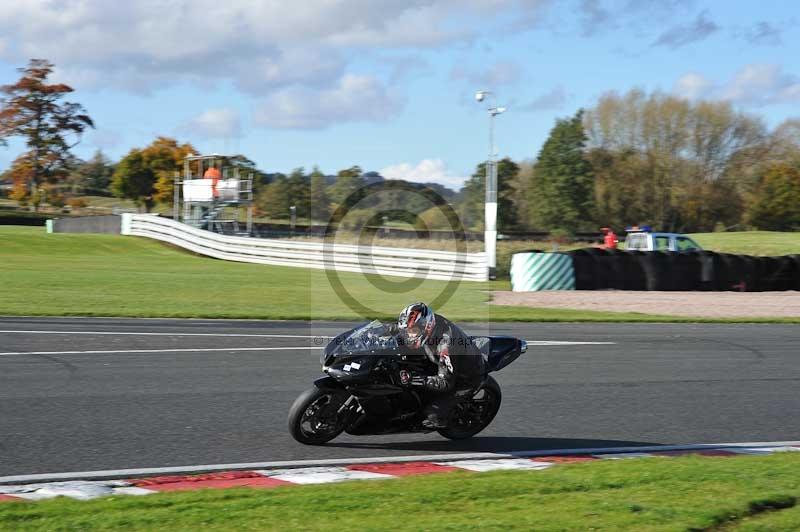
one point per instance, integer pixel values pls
(491, 444)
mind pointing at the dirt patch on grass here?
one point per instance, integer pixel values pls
(692, 304)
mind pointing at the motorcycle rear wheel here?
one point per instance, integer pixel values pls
(314, 418)
(470, 417)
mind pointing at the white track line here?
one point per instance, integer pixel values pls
(178, 350)
(127, 333)
(233, 349)
(235, 335)
(564, 342)
(132, 473)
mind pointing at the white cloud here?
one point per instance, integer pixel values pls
(495, 75)
(258, 44)
(693, 86)
(426, 171)
(215, 123)
(353, 99)
(762, 84)
(756, 84)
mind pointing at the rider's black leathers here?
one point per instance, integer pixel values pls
(459, 369)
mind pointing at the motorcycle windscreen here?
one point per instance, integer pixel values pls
(498, 351)
(372, 336)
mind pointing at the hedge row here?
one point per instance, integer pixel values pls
(601, 269)
(22, 218)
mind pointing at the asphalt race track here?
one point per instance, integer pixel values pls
(191, 392)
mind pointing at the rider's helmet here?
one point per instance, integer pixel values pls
(415, 325)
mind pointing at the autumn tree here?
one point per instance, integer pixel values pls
(657, 158)
(164, 156)
(151, 171)
(777, 202)
(134, 179)
(32, 109)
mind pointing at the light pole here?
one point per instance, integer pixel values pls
(490, 221)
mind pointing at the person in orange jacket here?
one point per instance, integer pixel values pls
(214, 175)
(610, 240)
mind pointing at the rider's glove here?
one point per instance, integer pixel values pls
(418, 380)
(412, 379)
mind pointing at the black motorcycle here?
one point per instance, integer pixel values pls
(364, 392)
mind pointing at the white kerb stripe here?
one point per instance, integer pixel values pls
(444, 458)
(496, 465)
(321, 475)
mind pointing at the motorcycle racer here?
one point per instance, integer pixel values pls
(458, 362)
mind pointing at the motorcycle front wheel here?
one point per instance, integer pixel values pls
(471, 416)
(314, 417)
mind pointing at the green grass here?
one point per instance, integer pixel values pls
(107, 275)
(751, 242)
(652, 494)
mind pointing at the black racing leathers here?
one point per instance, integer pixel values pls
(458, 361)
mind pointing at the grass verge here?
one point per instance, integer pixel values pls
(766, 243)
(653, 494)
(108, 275)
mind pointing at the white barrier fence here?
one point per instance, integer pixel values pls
(402, 262)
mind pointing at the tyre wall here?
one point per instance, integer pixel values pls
(601, 269)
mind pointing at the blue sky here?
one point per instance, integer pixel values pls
(388, 85)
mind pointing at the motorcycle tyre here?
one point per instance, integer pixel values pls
(494, 388)
(299, 407)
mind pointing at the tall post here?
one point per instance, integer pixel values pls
(490, 214)
(176, 192)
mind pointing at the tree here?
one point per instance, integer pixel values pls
(348, 181)
(649, 151)
(777, 202)
(561, 195)
(164, 156)
(134, 179)
(21, 173)
(93, 176)
(299, 192)
(31, 109)
(274, 200)
(320, 202)
(473, 197)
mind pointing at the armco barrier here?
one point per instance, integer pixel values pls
(402, 262)
(86, 224)
(601, 269)
(531, 272)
